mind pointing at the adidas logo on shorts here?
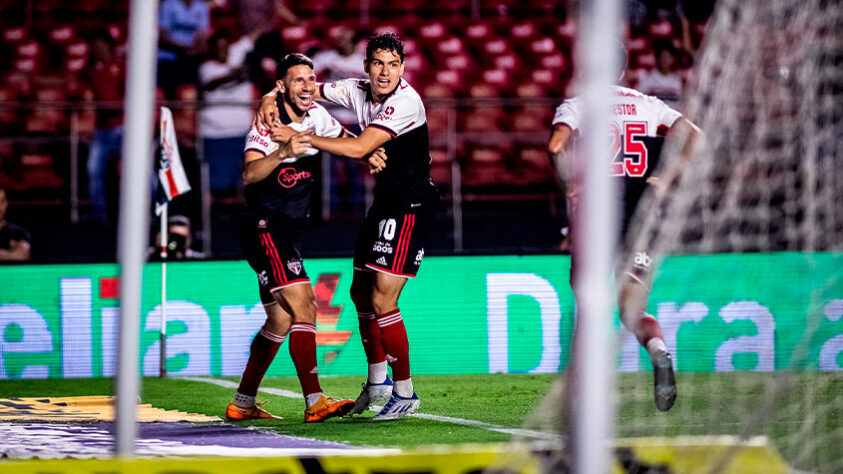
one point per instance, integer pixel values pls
(381, 261)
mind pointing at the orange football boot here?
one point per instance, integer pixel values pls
(254, 412)
(326, 408)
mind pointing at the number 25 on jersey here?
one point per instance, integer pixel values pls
(629, 155)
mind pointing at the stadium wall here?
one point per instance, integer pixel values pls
(463, 314)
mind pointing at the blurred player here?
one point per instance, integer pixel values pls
(639, 123)
(390, 245)
(279, 181)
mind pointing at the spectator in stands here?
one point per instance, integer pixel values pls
(663, 82)
(106, 80)
(223, 78)
(179, 240)
(184, 26)
(14, 239)
(344, 61)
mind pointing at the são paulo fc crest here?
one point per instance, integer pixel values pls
(262, 224)
(294, 266)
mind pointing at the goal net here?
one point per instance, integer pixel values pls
(749, 238)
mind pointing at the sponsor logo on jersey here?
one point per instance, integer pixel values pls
(263, 279)
(381, 261)
(289, 177)
(419, 257)
(389, 110)
(257, 139)
(382, 247)
(294, 266)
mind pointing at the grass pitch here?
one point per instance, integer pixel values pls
(804, 420)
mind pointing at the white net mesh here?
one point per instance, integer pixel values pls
(767, 183)
(749, 294)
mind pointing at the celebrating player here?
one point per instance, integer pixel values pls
(279, 180)
(390, 245)
(639, 123)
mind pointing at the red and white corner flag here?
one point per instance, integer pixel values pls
(172, 181)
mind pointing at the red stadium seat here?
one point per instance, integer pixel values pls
(486, 166)
(529, 90)
(433, 31)
(440, 169)
(506, 62)
(45, 118)
(62, 34)
(452, 45)
(15, 34)
(567, 31)
(483, 119)
(437, 118)
(638, 44)
(77, 49)
(557, 62)
(530, 119)
(543, 46)
(459, 62)
(661, 29)
(25, 65)
(533, 167)
(28, 49)
(645, 60)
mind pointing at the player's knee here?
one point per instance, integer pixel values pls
(304, 309)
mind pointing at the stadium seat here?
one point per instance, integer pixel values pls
(485, 166)
(440, 169)
(8, 117)
(543, 46)
(451, 45)
(532, 166)
(432, 32)
(459, 62)
(437, 118)
(28, 49)
(642, 61)
(482, 119)
(451, 79)
(530, 90)
(638, 45)
(530, 119)
(661, 29)
(46, 118)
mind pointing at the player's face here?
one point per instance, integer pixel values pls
(385, 69)
(298, 87)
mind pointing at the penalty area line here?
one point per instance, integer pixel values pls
(443, 419)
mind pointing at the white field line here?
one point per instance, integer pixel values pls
(444, 419)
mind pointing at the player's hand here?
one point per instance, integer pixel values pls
(377, 161)
(297, 144)
(281, 133)
(660, 186)
(267, 114)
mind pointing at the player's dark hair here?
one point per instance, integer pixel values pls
(386, 42)
(290, 60)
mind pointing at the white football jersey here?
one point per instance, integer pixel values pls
(317, 120)
(628, 107)
(401, 112)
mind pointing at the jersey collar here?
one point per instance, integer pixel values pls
(370, 98)
(283, 116)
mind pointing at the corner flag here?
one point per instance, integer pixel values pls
(172, 181)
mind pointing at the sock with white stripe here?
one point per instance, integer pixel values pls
(261, 353)
(395, 343)
(303, 353)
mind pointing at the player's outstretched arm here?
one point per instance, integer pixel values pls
(692, 138)
(257, 166)
(353, 147)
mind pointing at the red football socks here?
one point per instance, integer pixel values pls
(264, 347)
(303, 352)
(370, 335)
(647, 328)
(395, 343)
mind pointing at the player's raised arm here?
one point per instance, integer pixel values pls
(691, 137)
